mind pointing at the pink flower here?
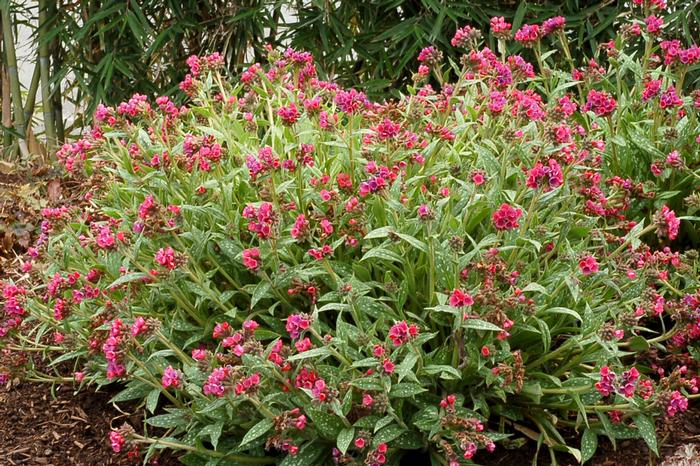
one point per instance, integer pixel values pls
(499, 26)
(588, 265)
(350, 101)
(506, 217)
(670, 99)
(464, 35)
(460, 298)
(430, 56)
(528, 34)
(654, 24)
(139, 327)
(424, 212)
(388, 366)
(117, 441)
(629, 382)
(600, 102)
(289, 114)
(296, 324)
(171, 378)
(547, 176)
(247, 385)
(674, 159)
(652, 88)
(401, 332)
(251, 259)
(387, 129)
(218, 382)
(553, 25)
(166, 258)
(678, 403)
(605, 386)
(667, 224)
(303, 345)
(478, 177)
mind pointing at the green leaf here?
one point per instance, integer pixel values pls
(382, 253)
(213, 431)
(138, 390)
(256, 431)
(345, 438)
(327, 425)
(127, 278)
(445, 371)
(312, 353)
(564, 310)
(589, 444)
(152, 400)
(167, 420)
(388, 434)
(646, 428)
(478, 324)
(307, 455)
(406, 390)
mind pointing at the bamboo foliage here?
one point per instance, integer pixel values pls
(91, 51)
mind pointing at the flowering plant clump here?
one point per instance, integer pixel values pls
(285, 271)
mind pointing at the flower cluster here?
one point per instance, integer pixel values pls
(340, 280)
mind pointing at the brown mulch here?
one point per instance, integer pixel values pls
(36, 429)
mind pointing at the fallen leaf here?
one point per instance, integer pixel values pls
(54, 190)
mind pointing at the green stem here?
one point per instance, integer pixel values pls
(31, 96)
(44, 69)
(624, 245)
(205, 451)
(565, 390)
(15, 88)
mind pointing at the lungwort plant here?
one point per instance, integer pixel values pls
(286, 272)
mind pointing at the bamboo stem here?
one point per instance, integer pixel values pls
(44, 66)
(15, 89)
(31, 98)
(56, 94)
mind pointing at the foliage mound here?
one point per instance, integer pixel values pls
(284, 271)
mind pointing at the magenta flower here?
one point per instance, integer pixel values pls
(171, 378)
(607, 378)
(401, 332)
(654, 24)
(117, 441)
(247, 385)
(166, 258)
(678, 403)
(387, 129)
(218, 383)
(296, 324)
(499, 27)
(628, 382)
(588, 265)
(289, 114)
(350, 101)
(506, 217)
(460, 298)
(528, 34)
(600, 102)
(547, 176)
(251, 259)
(552, 25)
(667, 224)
